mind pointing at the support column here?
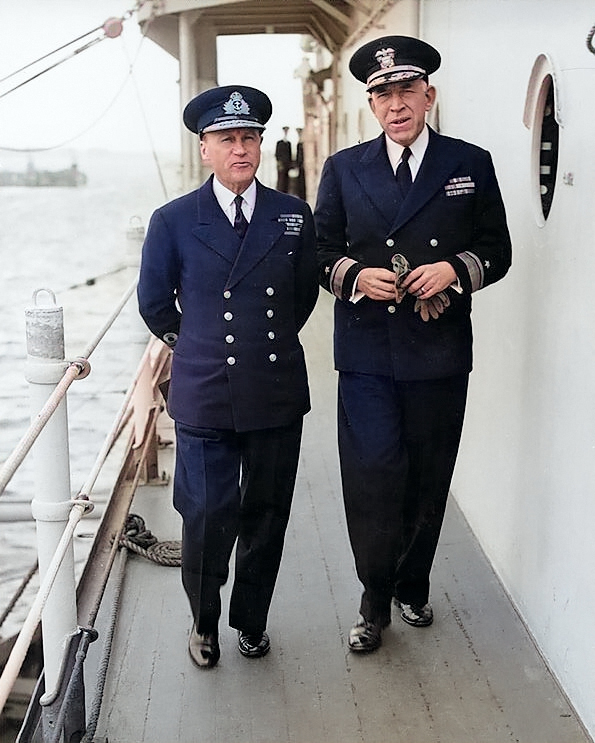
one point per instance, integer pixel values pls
(189, 147)
(198, 72)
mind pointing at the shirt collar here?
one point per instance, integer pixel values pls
(225, 197)
(418, 150)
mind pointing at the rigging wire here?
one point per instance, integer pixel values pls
(104, 112)
(146, 123)
(112, 28)
(49, 54)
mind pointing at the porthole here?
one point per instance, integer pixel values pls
(548, 149)
(542, 116)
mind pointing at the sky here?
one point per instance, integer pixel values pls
(91, 101)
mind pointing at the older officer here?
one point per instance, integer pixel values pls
(228, 278)
(428, 207)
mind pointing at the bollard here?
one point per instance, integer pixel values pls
(50, 454)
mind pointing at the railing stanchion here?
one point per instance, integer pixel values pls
(52, 503)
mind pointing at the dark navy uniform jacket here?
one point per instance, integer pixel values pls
(453, 212)
(237, 363)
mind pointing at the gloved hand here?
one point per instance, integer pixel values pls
(402, 269)
(432, 307)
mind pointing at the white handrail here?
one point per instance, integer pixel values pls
(18, 454)
(80, 505)
(77, 368)
(23, 641)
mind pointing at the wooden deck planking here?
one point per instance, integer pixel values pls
(474, 676)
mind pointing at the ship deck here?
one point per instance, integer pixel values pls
(474, 676)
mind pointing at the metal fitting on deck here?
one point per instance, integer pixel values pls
(45, 340)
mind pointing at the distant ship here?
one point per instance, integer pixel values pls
(69, 177)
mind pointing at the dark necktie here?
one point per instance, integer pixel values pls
(403, 174)
(240, 223)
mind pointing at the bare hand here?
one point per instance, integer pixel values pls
(428, 280)
(376, 283)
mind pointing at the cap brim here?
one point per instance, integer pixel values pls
(233, 124)
(396, 75)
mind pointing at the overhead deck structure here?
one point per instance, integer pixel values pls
(188, 30)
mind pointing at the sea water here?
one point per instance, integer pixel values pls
(72, 241)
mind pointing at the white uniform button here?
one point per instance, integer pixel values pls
(231, 360)
(273, 357)
(228, 316)
(229, 339)
(271, 335)
(226, 294)
(270, 313)
(390, 242)
(392, 309)
(270, 291)
(433, 242)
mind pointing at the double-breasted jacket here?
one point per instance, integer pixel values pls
(231, 309)
(453, 212)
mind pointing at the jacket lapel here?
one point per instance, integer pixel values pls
(213, 228)
(263, 232)
(440, 160)
(377, 179)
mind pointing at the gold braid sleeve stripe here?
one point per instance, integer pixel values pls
(338, 274)
(474, 268)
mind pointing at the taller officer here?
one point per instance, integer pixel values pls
(410, 199)
(228, 278)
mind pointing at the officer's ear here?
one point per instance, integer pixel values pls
(371, 103)
(204, 150)
(430, 97)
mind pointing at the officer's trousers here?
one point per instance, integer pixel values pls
(230, 486)
(398, 443)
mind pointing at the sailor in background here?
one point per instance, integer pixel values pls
(284, 158)
(228, 278)
(300, 176)
(428, 207)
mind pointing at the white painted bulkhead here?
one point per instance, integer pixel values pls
(525, 478)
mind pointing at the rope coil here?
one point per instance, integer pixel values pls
(137, 538)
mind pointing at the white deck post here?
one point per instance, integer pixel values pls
(52, 502)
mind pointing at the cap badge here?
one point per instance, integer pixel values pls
(386, 58)
(236, 104)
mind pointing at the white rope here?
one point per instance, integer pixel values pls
(21, 450)
(110, 320)
(18, 454)
(23, 641)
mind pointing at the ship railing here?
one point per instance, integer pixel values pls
(67, 612)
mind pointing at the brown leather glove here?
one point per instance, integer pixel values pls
(432, 307)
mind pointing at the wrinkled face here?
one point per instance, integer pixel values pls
(234, 155)
(401, 108)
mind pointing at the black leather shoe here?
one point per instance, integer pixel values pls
(364, 636)
(204, 648)
(253, 646)
(416, 616)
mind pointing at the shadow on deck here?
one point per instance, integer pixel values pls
(474, 676)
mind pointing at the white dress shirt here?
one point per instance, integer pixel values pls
(226, 199)
(418, 150)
